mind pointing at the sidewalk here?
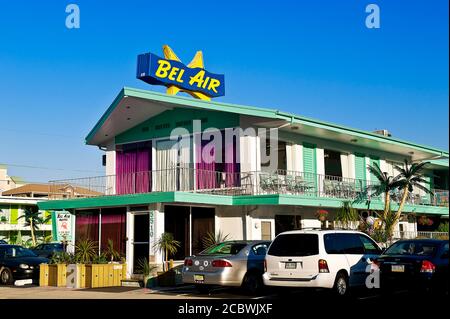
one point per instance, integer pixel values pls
(35, 292)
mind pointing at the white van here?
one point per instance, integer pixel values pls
(335, 259)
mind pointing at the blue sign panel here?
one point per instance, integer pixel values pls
(155, 70)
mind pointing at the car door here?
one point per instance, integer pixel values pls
(354, 252)
(256, 256)
(39, 250)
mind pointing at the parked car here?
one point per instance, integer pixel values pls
(330, 259)
(47, 250)
(415, 263)
(3, 242)
(18, 263)
(231, 263)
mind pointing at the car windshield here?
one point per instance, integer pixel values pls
(412, 249)
(224, 249)
(17, 252)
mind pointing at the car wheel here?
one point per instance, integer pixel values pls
(203, 289)
(252, 283)
(6, 277)
(340, 287)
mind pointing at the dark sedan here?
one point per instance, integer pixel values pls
(17, 263)
(415, 264)
(47, 250)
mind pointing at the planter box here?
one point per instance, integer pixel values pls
(105, 275)
(86, 276)
(52, 275)
(78, 276)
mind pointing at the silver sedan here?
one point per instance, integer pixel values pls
(231, 263)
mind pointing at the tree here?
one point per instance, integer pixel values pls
(410, 177)
(33, 220)
(386, 184)
(346, 214)
(167, 245)
(210, 239)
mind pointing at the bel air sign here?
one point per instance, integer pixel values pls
(171, 72)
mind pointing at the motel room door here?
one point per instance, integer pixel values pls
(141, 246)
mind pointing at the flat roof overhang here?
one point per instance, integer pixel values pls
(225, 200)
(133, 106)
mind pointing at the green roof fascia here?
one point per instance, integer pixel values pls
(202, 198)
(135, 199)
(255, 111)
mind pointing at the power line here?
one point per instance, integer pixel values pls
(52, 169)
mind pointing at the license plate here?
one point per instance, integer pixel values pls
(398, 268)
(290, 265)
(199, 278)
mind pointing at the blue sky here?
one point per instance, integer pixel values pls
(314, 58)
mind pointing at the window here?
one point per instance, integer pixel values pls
(280, 152)
(266, 230)
(343, 244)
(412, 248)
(227, 248)
(260, 249)
(287, 222)
(369, 246)
(295, 245)
(333, 165)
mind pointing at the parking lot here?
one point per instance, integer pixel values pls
(181, 292)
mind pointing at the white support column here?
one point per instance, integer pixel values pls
(289, 157)
(159, 221)
(129, 252)
(99, 231)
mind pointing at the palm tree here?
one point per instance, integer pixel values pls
(167, 245)
(210, 239)
(33, 219)
(410, 177)
(386, 184)
(346, 214)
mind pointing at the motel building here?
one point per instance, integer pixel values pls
(154, 184)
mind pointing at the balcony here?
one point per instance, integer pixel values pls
(185, 179)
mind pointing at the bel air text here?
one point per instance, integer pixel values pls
(158, 71)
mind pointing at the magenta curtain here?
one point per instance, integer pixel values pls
(143, 171)
(133, 169)
(113, 227)
(231, 167)
(86, 226)
(206, 175)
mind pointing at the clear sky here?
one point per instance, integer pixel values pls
(314, 58)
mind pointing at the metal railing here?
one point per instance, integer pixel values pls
(188, 179)
(419, 234)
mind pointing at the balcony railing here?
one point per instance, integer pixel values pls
(186, 179)
(419, 234)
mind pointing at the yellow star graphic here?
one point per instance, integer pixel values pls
(197, 62)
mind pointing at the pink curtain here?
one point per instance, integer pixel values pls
(143, 171)
(206, 167)
(113, 227)
(231, 167)
(86, 226)
(133, 169)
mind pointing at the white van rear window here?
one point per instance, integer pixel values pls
(295, 245)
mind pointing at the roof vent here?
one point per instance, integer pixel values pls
(383, 132)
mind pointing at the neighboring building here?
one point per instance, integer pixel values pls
(155, 185)
(12, 226)
(54, 191)
(8, 182)
(14, 202)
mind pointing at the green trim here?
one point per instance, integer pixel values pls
(254, 111)
(200, 198)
